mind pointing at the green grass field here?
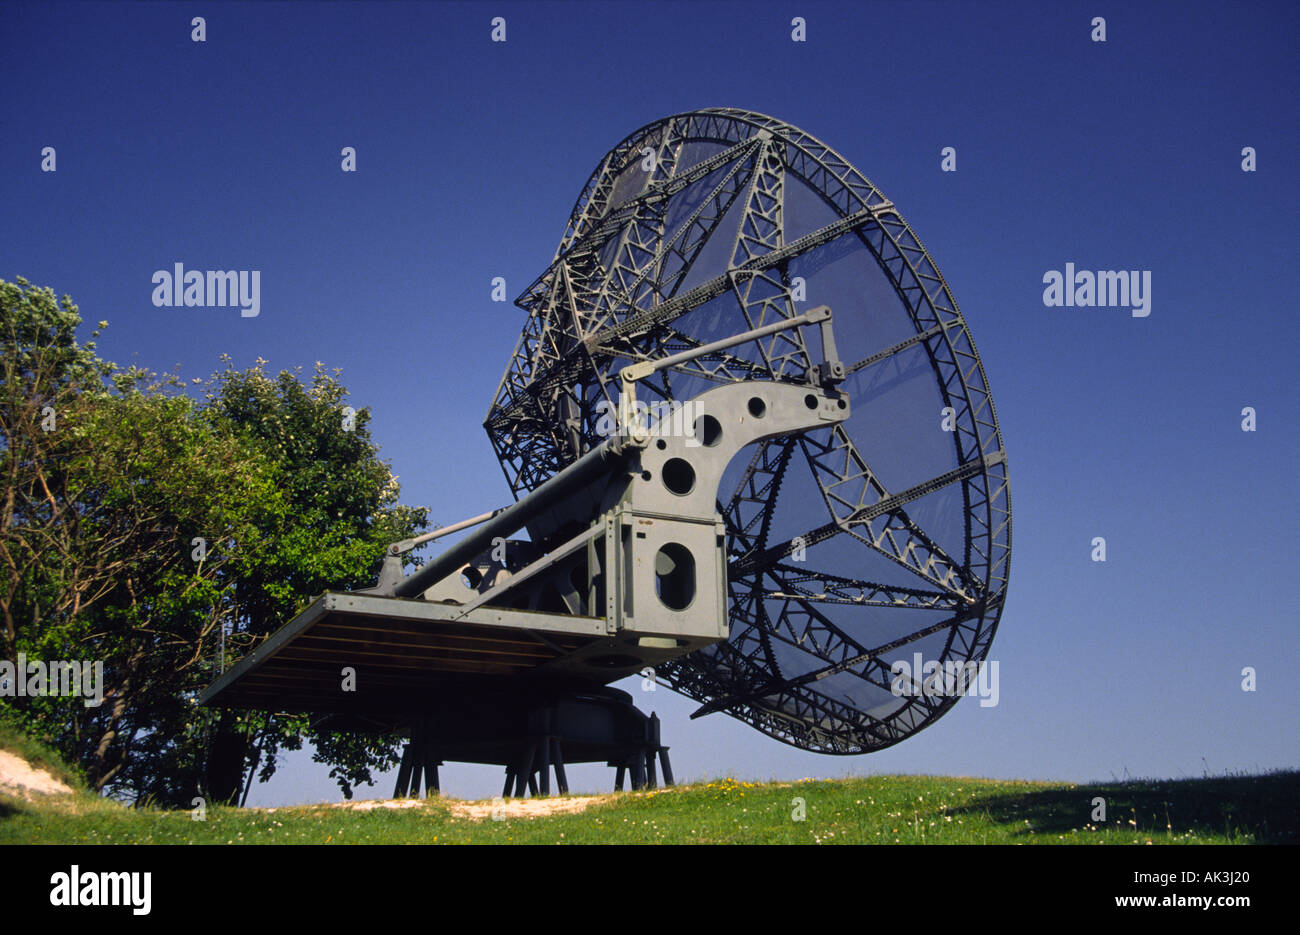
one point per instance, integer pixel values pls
(875, 810)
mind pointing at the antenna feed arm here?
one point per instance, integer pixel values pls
(391, 571)
(828, 373)
(402, 546)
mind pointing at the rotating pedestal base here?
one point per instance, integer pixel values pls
(533, 737)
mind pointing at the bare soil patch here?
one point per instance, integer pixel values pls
(19, 778)
(478, 810)
(524, 808)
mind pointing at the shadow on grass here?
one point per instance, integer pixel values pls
(8, 809)
(1264, 809)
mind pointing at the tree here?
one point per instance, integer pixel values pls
(111, 479)
(43, 371)
(139, 525)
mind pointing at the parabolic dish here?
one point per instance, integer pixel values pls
(885, 539)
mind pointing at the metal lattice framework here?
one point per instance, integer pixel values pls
(850, 547)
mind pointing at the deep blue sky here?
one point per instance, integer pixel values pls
(1117, 155)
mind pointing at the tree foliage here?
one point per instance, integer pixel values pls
(166, 536)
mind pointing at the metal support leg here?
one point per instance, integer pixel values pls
(525, 774)
(403, 774)
(560, 779)
(652, 729)
(667, 767)
(431, 764)
(544, 764)
(417, 774)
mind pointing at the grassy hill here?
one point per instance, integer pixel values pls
(879, 809)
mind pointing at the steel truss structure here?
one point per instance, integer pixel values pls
(852, 548)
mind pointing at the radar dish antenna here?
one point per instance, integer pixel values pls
(753, 447)
(850, 547)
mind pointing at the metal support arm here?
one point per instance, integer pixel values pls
(828, 373)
